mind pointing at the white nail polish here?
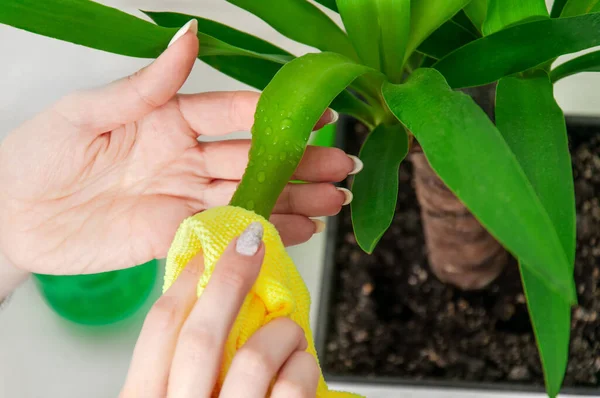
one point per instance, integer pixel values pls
(191, 26)
(358, 165)
(348, 194)
(319, 226)
(334, 116)
(249, 241)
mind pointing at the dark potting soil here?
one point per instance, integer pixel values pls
(392, 317)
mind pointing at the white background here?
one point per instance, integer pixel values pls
(40, 354)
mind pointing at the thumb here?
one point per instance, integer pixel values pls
(131, 98)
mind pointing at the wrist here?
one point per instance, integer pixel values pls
(10, 277)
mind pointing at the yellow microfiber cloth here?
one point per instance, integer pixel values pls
(279, 290)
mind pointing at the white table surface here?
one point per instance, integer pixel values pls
(42, 355)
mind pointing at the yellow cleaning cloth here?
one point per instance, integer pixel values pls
(279, 290)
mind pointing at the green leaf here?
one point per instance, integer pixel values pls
(378, 30)
(446, 39)
(557, 8)
(329, 4)
(287, 111)
(301, 21)
(472, 158)
(586, 63)
(394, 22)
(533, 126)
(503, 13)
(375, 188)
(89, 24)
(217, 30)
(426, 17)
(104, 28)
(518, 48)
(580, 7)
(254, 72)
(361, 20)
(463, 20)
(476, 10)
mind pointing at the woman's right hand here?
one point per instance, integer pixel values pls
(179, 351)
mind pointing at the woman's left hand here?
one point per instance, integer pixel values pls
(102, 179)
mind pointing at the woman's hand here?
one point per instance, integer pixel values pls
(178, 353)
(102, 179)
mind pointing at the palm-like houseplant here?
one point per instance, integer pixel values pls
(395, 68)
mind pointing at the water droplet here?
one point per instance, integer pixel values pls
(268, 131)
(261, 151)
(275, 141)
(286, 124)
(282, 155)
(250, 163)
(265, 119)
(287, 143)
(250, 205)
(307, 117)
(282, 113)
(290, 114)
(265, 164)
(261, 177)
(275, 106)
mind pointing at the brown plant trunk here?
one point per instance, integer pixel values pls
(461, 252)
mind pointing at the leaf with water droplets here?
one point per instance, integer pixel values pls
(318, 83)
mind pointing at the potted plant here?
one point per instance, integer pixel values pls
(484, 187)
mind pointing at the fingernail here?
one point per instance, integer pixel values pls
(347, 194)
(334, 116)
(319, 226)
(358, 165)
(191, 26)
(249, 241)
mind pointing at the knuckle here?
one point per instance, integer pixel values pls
(134, 83)
(234, 279)
(164, 313)
(198, 339)
(255, 363)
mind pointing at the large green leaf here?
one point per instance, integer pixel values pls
(579, 7)
(89, 24)
(446, 39)
(218, 30)
(361, 20)
(287, 111)
(375, 188)
(329, 4)
(476, 10)
(426, 17)
(104, 28)
(378, 30)
(472, 158)
(301, 21)
(518, 48)
(534, 128)
(394, 22)
(503, 13)
(586, 63)
(557, 8)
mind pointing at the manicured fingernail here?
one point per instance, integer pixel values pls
(358, 165)
(249, 241)
(191, 26)
(334, 116)
(347, 194)
(319, 226)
